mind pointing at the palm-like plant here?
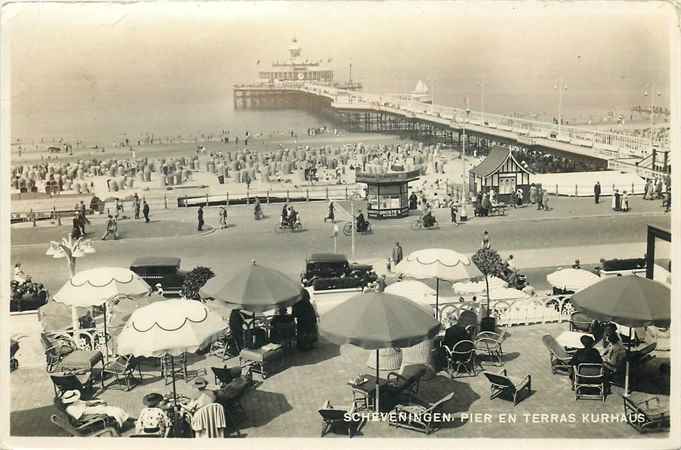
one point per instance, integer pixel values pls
(490, 264)
(71, 249)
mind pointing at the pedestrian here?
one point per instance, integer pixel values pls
(486, 241)
(76, 230)
(199, 215)
(331, 216)
(222, 217)
(617, 200)
(545, 201)
(658, 189)
(397, 254)
(111, 228)
(625, 201)
(540, 197)
(597, 191)
(453, 210)
(145, 210)
(83, 210)
(533, 193)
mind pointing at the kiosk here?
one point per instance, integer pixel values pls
(500, 171)
(387, 193)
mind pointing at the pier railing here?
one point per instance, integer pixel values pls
(607, 143)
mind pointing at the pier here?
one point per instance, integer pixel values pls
(359, 111)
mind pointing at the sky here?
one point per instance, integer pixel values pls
(104, 69)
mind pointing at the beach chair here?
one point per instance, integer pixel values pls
(419, 418)
(55, 350)
(334, 418)
(589, 381)
(488, 343)
(63, 383)
(501, 383)
(405, 384)
(209, 421)
(461, 359)
(648, 415)
(93, 428)
(559, 358)
(89, 425)
(123, 370)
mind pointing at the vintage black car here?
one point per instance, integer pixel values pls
(27, 296)
(161, 269)
(327, 271)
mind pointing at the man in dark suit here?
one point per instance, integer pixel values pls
(597, 191)
(454, 335)
(200, 217)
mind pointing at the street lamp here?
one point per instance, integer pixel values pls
(653, 94)
(561, 86)
(353, 198)
(464, 194)
(482, 85)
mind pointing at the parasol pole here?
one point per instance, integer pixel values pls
(437, 298)
(377, 384)
(106, 341)
(626, 370)
(172, 370)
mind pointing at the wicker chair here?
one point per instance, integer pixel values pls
(461, 359)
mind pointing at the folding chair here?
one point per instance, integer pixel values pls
(419, 418)
(501, 383)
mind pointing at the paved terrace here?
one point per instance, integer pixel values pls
(285, 404)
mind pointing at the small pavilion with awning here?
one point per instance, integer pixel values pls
(502, 172)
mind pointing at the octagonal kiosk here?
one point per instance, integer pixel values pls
(387, 193)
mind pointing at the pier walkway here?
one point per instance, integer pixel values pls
(648, 158)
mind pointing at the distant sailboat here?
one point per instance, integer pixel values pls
(421, 93)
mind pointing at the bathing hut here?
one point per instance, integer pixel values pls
(500, 171)
(387, 195)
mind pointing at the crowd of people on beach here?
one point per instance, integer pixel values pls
(538, 161)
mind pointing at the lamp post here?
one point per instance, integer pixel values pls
(70, 249)
(482, 85)
(561, 86)
(653, 93)
(464, 193)
(354, 197)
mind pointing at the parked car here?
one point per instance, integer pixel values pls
(27, 296)
(325, 271)
(161, 269)
(615, 267)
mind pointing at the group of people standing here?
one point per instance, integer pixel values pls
(539, 196)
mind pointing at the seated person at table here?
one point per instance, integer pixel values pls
(585, 355)
(307, 332)
(233, 389)
(152, 419)
(614, 354)
(279, 323)
(454, 335)
(77, 408)
(203, 396)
